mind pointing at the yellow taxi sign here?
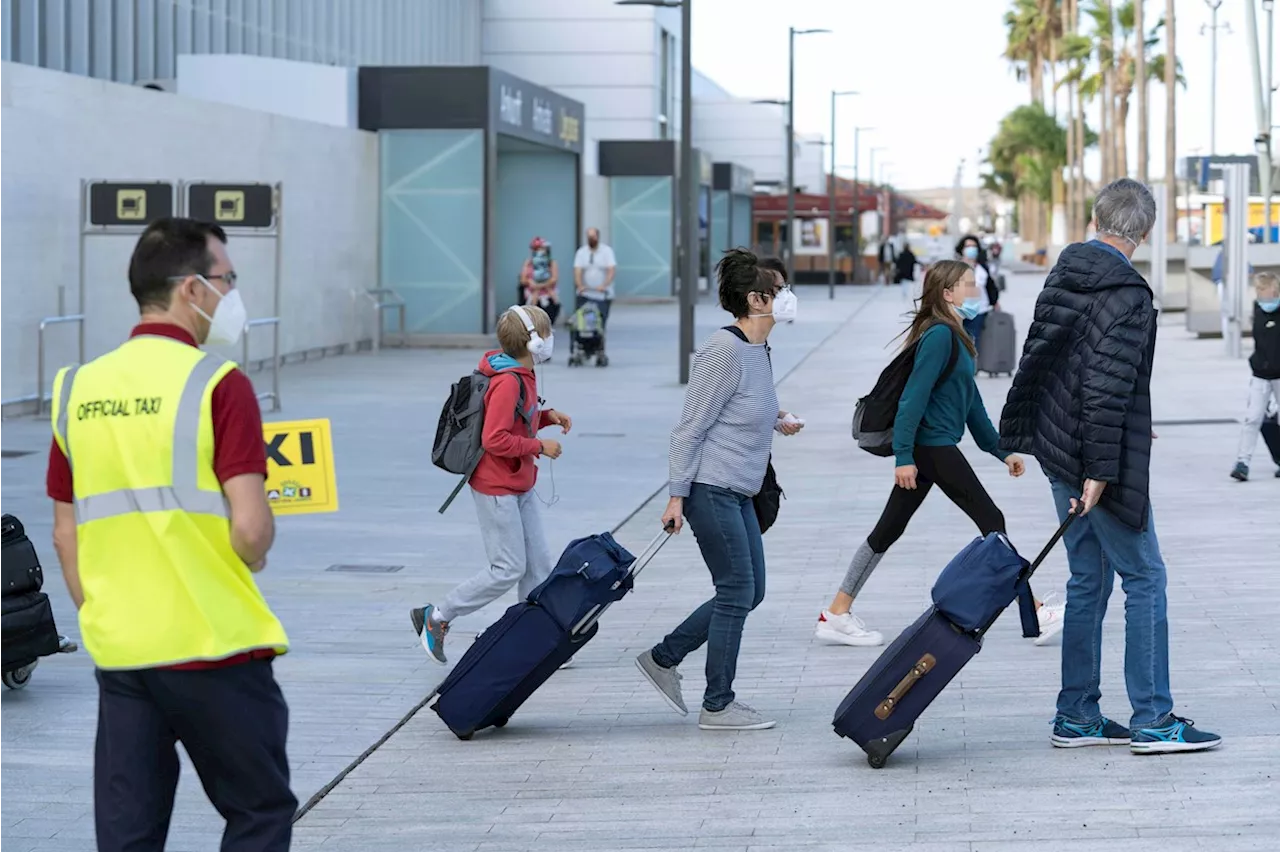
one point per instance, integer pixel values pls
(300, 474)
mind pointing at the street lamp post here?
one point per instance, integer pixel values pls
(792, 32)
(1268, 6)
(872, 175)
(857, 211)
(1213, 74)
(831, 186)
(688, 185)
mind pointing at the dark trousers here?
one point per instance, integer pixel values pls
(233, 723)
(947, 467)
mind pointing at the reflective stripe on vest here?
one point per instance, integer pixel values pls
(184, 494)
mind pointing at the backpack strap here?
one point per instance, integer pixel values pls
(521, 413)
(742, 335)
(951, 362)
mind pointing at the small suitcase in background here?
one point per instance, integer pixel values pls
(27, 629)
(998, 349)
(513, 657)
(881, 710)
(1271, 434)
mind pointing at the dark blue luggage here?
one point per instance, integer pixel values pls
(881, 710)
(981, 581)
(512, 658)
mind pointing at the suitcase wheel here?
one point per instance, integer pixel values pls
(18, 678)
(875, 761)
(502, 723)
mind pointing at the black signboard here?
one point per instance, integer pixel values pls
(137, 203)
(232, 205)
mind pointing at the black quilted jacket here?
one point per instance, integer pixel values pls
(1081, 400)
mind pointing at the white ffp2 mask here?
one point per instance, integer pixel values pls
(227, 323)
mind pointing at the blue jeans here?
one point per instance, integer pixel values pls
(974, 327)
(1098, 548)
(728, 534)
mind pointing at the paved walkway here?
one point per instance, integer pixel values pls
(595, 761)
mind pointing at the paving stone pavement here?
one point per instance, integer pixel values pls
(596, 761)
(355, 668)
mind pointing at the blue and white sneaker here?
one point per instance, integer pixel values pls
(1173, 733)
(430, 633)
(1074, 735)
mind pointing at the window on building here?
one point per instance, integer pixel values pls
(664, 88)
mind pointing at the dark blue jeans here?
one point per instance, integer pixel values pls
(1098, 547)
(728, 534)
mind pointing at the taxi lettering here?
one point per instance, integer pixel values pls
(118, 407)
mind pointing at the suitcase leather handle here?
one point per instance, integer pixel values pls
(922, 667)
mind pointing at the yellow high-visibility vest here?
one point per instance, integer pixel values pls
(161, 583)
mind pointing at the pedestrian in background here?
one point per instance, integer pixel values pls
(987, 296)
(720, 452)
(1081, 404)
(540, 279)
(905, 272)
(1264, 384)
(159, 532)
(594, 268)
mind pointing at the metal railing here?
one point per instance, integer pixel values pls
(45, 323)
(274, 322)
(385, 299)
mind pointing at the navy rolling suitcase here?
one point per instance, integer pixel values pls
(512, 658)
(881, 710)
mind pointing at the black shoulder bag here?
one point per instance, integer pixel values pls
(768, 499)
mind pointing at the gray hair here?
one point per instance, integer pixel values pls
(1125, 208)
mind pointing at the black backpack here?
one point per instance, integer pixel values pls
(874, 414)
(460, 431)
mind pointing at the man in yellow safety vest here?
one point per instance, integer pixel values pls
(160, 519)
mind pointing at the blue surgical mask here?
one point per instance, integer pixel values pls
(970, 308)
(1270, 305)
(971, 252)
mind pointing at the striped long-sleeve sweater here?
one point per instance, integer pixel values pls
(725, 433)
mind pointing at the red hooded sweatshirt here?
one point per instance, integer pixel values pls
(509, 464)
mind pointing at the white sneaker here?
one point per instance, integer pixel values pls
(846, 629)
(1051, 619)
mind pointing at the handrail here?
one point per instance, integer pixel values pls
(45, 323)
(380, 307)
(274, 322)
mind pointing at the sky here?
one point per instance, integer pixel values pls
(934, 83)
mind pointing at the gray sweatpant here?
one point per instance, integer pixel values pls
(511, 526)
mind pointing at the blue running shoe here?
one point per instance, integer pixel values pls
(1074, 735)
(1173, 733)
(430, 633)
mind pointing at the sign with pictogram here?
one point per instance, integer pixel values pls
(117, 203)
(232, 205)
(300, 473)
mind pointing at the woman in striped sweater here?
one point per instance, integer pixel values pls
(719, 452)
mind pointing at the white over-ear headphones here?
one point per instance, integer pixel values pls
(539, 347)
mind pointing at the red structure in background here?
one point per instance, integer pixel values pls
(769, 216)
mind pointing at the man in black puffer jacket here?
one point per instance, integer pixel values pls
(1081, 404)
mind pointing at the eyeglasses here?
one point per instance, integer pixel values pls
(229, 278)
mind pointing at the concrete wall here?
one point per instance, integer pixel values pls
(608, 57)
(59, 128)
(304, 90)
(752, 135)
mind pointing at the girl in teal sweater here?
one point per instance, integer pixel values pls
(940, 399)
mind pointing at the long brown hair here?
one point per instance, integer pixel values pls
(934, 309)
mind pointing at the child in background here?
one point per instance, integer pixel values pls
(1264, 384)
(502, 484)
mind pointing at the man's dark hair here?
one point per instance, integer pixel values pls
(168, 249)
(775, 264)
(739, 273)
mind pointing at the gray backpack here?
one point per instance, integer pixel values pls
(459, 434)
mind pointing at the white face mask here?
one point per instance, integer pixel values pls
(541, 348)
(785, 305)
(227, 323)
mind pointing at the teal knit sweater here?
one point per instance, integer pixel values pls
(936, 418)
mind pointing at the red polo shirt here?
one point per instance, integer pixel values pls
(237, 447)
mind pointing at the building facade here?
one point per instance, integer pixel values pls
(138, 41)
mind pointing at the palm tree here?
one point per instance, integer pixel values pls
(1171, 128)
(1127, 78)
(1140, 74)
(1102, 83)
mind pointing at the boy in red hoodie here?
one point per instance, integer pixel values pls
(502, 484)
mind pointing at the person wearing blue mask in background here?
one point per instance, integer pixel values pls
(1264, 385)
(986, 295)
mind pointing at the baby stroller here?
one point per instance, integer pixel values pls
(29, 632)
(586, 336)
